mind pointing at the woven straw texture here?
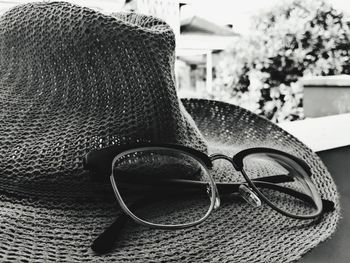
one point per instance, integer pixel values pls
(72, 80)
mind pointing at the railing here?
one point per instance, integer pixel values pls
(326, 95)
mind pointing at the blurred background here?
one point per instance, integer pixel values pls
(285, 60)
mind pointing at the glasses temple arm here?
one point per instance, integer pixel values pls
(106, 240)
(328, 206)
(183, 185)
(223, 188)
(228, 188)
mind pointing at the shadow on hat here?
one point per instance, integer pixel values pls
(74, 80)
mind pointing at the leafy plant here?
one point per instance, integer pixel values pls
(261, 72)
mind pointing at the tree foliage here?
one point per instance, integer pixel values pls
(261, 72)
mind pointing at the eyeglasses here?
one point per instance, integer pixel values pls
(171, 186)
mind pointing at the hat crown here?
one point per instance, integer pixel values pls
(73, 80)
(38, 27)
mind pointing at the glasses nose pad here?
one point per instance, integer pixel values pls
(217, 199)
(249, 196)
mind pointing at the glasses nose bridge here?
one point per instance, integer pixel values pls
(218, 156)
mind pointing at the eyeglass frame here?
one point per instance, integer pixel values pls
(99, 163)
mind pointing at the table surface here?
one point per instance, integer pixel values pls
(323, 133)
(337, 248)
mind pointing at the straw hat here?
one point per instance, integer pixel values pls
(73, 80)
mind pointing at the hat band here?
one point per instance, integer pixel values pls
(82, 191)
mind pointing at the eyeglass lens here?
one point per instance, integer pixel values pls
(283, 182)
(152, 178)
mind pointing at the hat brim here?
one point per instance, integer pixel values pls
(62, 229)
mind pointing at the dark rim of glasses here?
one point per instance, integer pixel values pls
(99, 161)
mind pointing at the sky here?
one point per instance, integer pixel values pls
(238, 12)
